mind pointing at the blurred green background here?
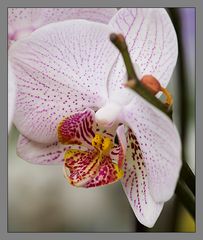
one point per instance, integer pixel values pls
(40, 199)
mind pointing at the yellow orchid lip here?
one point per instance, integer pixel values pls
(103, 144)
(85, 166)
(89, 162)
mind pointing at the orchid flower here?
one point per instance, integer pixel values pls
(72, 102)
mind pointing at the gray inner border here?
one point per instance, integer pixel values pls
(4, 4)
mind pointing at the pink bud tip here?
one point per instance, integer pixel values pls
(151, 83)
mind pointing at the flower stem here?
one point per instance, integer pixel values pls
(188, 176)
(119, 41)
(186, 197)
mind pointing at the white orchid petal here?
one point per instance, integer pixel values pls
(37, 153)
(136, 185)
(22, 21)
(160, 145)
(11, 95)
(62, 68)
(43, 154)
(151, 41)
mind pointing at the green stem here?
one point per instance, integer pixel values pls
(119, 41)
(146, 94)
(188, 176)
(186, 197)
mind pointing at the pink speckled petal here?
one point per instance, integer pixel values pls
(80, 166)
(152, 43)
(110, 169)
(23, 21)
(118, 152)
(88, 169)
(122, 143)
(62, 68)
(102, 15)
(108, 173)
(37, 153)
(11, 95)
(136, 185)
(92, 168)
(160, 146)
(78, 129)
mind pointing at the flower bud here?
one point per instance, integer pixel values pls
(151, 83)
